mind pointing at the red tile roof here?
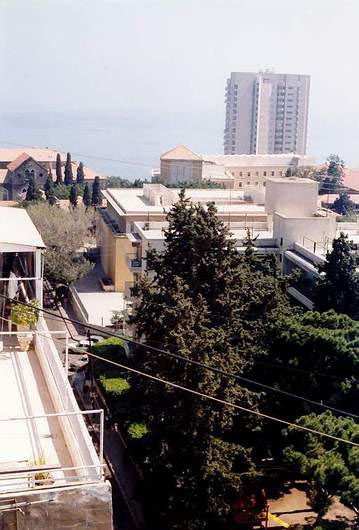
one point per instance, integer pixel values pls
(351, 178)
(18, 161)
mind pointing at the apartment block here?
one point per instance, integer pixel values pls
(266, 113)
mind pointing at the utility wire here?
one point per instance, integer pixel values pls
(222, 401)
(196, 363)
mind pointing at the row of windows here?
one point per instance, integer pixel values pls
(257, 173)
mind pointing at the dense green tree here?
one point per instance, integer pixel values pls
(96, 192)
(333, 179)
(203, 301)
(64, 231)
(80, 175)
(68, 179)
(58, 170)
(33, 192)
(343, 204)
(317, 355)
(330, 467)
(86, 198)
(338, 286)
(73, 196)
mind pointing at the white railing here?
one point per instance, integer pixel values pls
(74, 429)
(70, 417)
(16, 478)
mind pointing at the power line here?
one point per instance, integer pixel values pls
(221, 401)
(196, 363)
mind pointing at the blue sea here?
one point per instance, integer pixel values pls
(122, 143)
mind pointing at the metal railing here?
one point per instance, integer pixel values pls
(51, 475)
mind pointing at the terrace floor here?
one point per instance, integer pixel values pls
(24, 392)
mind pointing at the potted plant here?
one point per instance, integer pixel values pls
(25, 317)
(41, 478)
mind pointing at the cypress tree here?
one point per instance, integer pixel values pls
(33, 192)
(80, 175)
(96, 192)
(68, 180)
(58, 169)
(73, 195)
(86, 198)
(48, 187)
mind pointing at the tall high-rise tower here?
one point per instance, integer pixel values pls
(266, 113)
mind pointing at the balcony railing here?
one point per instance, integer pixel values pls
(134, 262)
(17, 476)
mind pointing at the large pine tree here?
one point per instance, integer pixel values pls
(206, 303)
(68, 180)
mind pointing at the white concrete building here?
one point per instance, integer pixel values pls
(283, 218)
(232, 171)
(266, 113)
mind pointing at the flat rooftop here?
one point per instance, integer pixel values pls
(132, 201)
(25, 393)
(96, 305)
(23, 231)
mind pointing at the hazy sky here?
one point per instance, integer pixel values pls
(171, 58)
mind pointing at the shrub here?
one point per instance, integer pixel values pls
(114, 386)
(25, 315)
(137, 430)
(112, 349)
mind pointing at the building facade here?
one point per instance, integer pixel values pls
(266, 113)
(232, 171)
(180, 165)
(18, 166)
(283, 218)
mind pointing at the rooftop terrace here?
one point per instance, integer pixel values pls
(42, 429)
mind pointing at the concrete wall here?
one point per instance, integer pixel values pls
(290, 230)
(114, 251)
(173, 171)
(82, 507)
(294, 197)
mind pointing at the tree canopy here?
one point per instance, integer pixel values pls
(338, 286)
(64, 232)
(343, 204)
(330, 467)
(205, 302)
